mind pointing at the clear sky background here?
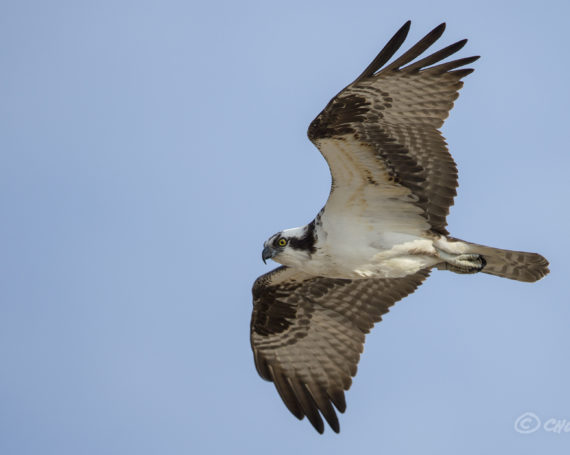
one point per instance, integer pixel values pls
(147, 149)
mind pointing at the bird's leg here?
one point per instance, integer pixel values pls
(461, 263)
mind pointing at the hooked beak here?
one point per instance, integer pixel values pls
(267, 253)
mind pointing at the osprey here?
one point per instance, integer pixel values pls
(380, 233)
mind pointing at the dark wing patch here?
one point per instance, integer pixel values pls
(271, 317)
(307, 334)
(339, 117)
(396, 111)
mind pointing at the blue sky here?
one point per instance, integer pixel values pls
(147, 151)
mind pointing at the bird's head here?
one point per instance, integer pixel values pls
(289, 247)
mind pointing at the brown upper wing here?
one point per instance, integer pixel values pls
(388, 120)
(307, 334)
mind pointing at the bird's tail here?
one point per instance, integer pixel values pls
(515, 265)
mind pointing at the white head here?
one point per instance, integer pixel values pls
(291, 247)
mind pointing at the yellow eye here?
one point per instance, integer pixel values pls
(282, 242)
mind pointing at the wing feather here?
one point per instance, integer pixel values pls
(307, 334)
(417, 49)
(437, 56)
(386, 53)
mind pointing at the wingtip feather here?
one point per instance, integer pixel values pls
(417, 49)
(386, 53)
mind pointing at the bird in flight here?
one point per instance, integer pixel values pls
(382, 230)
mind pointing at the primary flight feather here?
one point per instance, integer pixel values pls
(380, 233)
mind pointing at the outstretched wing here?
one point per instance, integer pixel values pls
(380, 137)
(307, 334)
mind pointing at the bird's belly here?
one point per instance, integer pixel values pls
(371, 261)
